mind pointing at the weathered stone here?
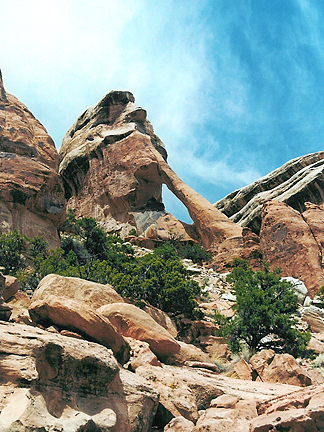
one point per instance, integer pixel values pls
(141, 354)
(92, 293)
(298, 181)
(279, 368)
(11, 287)
(298, 287)
(179, 424)
(162, 318)
(133, 322)
(31, 190)
(113, 167)
(314, 317)
(73, 315)
(224, 401)
(287, 241)
(210, 422)
(243, 370)
(188, 353)
(184, 391)
(51, 382)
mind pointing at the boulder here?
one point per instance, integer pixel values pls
(91, 293)
(74, 315)
(287, 241)
(179, 424)
(52, 382)
(185, 391)
(32, 197)
(141, 354)
(299, 411)
(162, 318)
(298, 287)
(314, 316)
(210, 422)
(243, 370)
(133, 322)
(10, 287)
(279, 368)
(188, 353)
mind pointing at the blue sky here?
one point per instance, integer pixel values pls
(234, 88)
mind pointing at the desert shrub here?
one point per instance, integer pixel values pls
(195, 252)
(88, 252)
(265, 313)
(11, 248)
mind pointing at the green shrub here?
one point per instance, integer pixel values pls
(196, 253)
(265, 313)
(88, 252)
(11, 248)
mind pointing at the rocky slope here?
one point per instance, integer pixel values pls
(31, 190)
(60, 374)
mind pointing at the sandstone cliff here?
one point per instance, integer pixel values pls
(31, 190)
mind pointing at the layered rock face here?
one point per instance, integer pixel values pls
(113, 167)
(298, 181)
(293, 241)
(31, 190)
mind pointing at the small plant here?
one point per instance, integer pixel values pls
(133, 232)
(318, 362)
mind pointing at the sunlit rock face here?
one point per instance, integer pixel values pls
(107, 165)
(113, 167)
(31, 190)
(298, 181)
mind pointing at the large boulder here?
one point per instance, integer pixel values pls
(92, 293)
(74, 315)
(32, 197)
(9, 288)
(51, 382)
(279, 368)
(133, 322)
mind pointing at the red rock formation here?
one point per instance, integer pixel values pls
(113, 166)
(288, 242)
(296, 182)
(31, 190)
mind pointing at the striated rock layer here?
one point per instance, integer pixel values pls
(31, 190)
(113, 167)
(296, 182)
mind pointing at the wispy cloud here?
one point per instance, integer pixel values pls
(234, 89)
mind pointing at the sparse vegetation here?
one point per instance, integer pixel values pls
(88, 252)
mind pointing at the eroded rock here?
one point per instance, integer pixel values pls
(73, 315)
(133, 322)
(93, 294)
(31, 190)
